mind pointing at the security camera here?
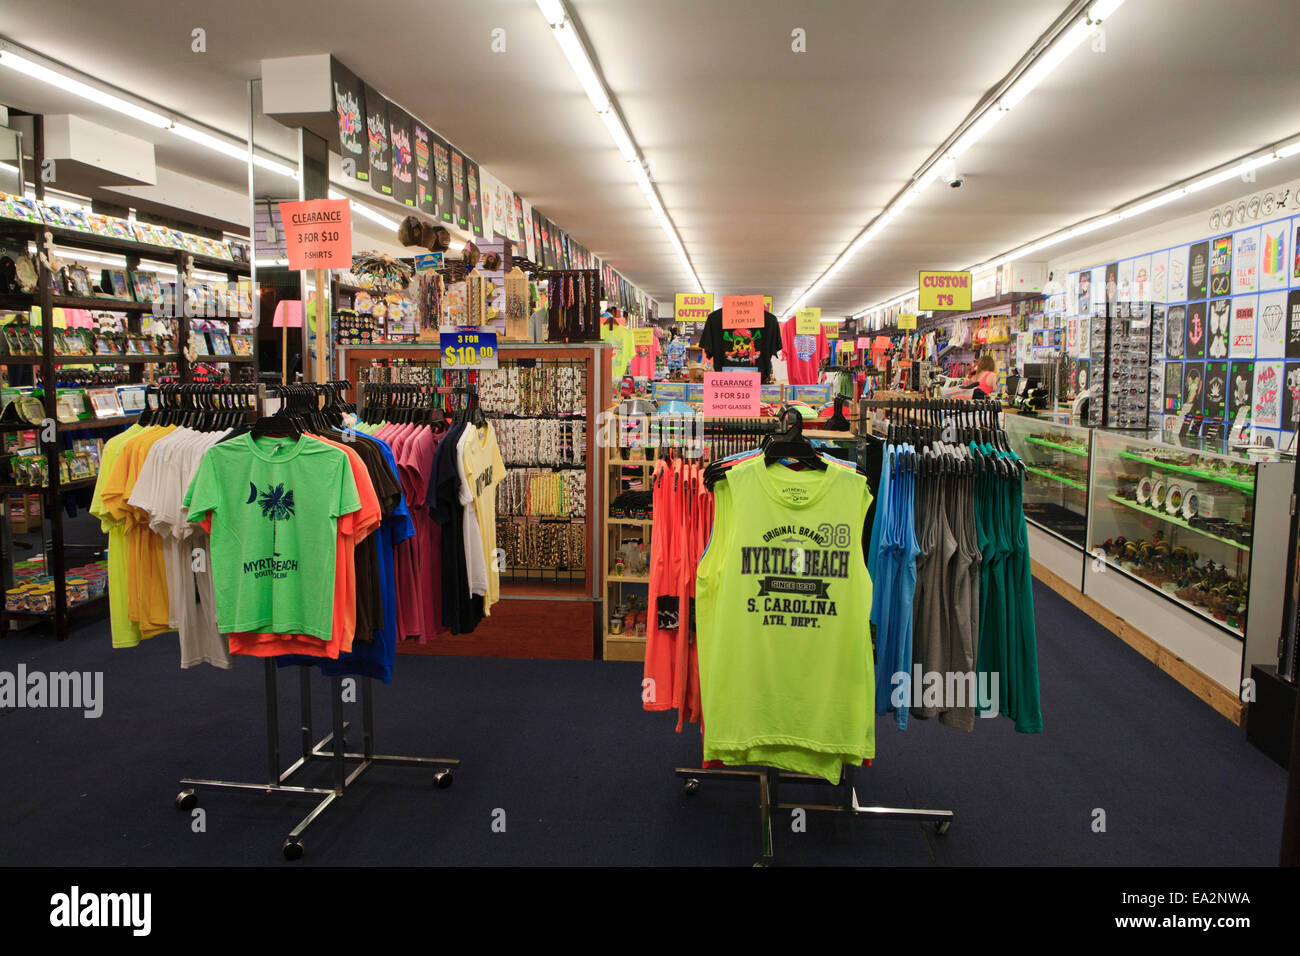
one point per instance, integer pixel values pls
(950, 174)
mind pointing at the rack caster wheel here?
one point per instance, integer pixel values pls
(293, 849)
(187, 800)
(691, 787)
(443, 779)
(942, 827)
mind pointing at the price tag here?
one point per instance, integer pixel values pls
(864, 343)
(742, 311)
(468, 349)
(907, 320)
(807, 321)
(318, 233)
(642, 341)
(732, 394)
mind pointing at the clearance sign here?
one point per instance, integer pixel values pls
(692, 306)
(944, 292)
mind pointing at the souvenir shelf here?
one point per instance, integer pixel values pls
(202, 254)
(627, 554)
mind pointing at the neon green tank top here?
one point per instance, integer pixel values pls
(783, 602)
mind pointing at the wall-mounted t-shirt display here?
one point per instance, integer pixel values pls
(1084, 286)
(442, 177)
(1290, 397)
(1270, 339)
(1195, 321)
(1198, 271)
(750, 348)
(1241, 389)
(1173, 386)
(1141, 290)
(1175, 326)
(1242, 343)
(399, 138)
(1112, 284)
(1293, 324)
(459, 203)
(474, 197)
(1268, 395)
(1193, 388)
(1160, 277)
(1217, 320)
(1221, 266)
(349, 107)
(1273, 264)
(1178, 274)
(1245, 262)
(1216, 390)
(1124, 281)
(425, 199)
(521, 224)
(379, 152)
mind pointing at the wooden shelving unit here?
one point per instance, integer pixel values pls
(616, 587)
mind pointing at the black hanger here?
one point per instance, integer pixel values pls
(789, 442)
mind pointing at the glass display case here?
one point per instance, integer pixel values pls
(1183, 521)
(1056, 460)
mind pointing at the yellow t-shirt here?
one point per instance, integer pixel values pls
(147, 602)
(124, 630)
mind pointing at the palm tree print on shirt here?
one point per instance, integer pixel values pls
(277, 506)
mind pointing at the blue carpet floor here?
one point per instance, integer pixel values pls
(562, 752)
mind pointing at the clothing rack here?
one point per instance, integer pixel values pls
(788, 426)
(333, 747)
(338, 755)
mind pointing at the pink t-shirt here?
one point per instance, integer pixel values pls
(803, 354)
(643, 366)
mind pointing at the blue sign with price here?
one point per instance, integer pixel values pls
(468, 349)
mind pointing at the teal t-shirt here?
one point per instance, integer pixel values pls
(275, 505)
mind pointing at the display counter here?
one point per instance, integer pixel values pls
(1056, 460)
(1162, 536)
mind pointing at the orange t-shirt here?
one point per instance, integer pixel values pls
(352, 529)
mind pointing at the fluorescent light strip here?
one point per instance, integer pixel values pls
(1050, 58)
(36, 71)
(365, 212)
(566, 35)
(1133, 210)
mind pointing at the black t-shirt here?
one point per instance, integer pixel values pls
(741, 348)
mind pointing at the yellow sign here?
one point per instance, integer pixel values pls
(692, 306)
(767, 303)
(907, 320)
(643, 341)
(944, 292)
(807, 321)
(832, 329)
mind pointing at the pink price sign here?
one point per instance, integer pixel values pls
(742, 312)
(732, 394)
(318, 233)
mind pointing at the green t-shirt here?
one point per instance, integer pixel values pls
(783, 601)
(275, 505)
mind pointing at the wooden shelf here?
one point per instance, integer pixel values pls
(99, 359)
(635, 522)
(628, 579)
(218, 359)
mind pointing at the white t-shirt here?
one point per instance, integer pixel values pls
(481, 471)
(160, 492)
(475, 559)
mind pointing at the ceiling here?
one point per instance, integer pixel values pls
(769, 161)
